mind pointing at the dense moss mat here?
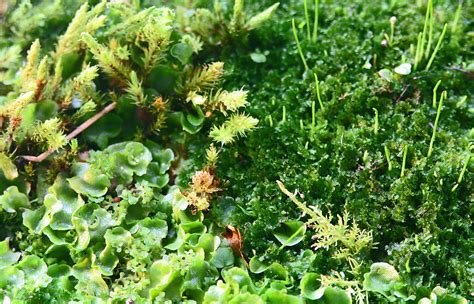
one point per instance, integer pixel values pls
(365, 151)
(419, 223)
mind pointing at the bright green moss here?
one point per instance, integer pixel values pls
(115, 224)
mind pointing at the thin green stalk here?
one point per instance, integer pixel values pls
(393, 20)
(461, 175)
(425, 27)
(438, 45)
(301, 124)
(404, 161)
(392, 30)
(313, 114)
(316, 20)
(387, 156)
(302, 206)
(306, 15)
(435, 93)
(438, 113)
(298, 45)
(270, 120)
(430, 33)
(418, 51)
(283, 119)
(318, 93)
(376, 123)
(457, 15)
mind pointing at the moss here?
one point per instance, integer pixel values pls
(421, 220)
(331, 172)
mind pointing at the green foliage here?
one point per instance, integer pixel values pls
(47, 132)
(290, 233)
(384, 279)
(12, 200)
(8, 167)
(85, 21)
(236, 125)
(350, 238)
(213, 27)
(107, 59)
(132, 203)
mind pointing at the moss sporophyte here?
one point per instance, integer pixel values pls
(236, 151)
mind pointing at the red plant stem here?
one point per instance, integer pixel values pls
(74, 133)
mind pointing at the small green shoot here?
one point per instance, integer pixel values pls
(283, 119)
(425, 26)
(435, 127)
(393, 20)
(435, 93)
(387, 156)
(461, 175)
(404, 161)
(301, 124)
(457, 15)
(418, 51)
(313, 115)
(316, 20)
(306, 15)
(270, 120)
(318, 93)
(298, 45)
(376, 123)
(431, 26)
(438, 46)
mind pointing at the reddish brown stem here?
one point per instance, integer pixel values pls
(74, 133)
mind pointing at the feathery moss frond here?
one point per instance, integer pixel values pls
(135, 90)
(154, 37)
(87, 108)
(222, 100)
(222, 134)
(238, 17)
(348, 239)
(234, 100)
(43, 66)
(193, 41)
(235, 126)
(13, 108)
(84, 82)
(83, 22)
(28, 72)
(212, 156)
(257, 20)
(87, 76)
(107, 60)
(203, 78)
(50, 133)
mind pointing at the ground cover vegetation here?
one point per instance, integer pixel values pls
(236, 151)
